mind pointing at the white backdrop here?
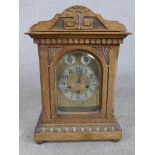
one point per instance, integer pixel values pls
(30, 101)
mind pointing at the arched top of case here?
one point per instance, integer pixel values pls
(78, 19)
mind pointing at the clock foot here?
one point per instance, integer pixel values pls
(115, 140)
(38, 141)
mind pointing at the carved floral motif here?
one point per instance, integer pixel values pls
(51, 54)
(105, 51)
(77, 8)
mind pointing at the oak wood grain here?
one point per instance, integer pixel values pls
(77, 28)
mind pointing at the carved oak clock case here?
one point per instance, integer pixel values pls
(78, 52)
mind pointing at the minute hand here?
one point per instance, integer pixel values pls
(79, 78)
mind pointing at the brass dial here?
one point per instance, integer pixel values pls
(78, 82)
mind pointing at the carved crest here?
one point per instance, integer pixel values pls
(78, 22)
(78, 8)
(78, 18)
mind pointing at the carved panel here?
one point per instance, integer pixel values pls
(51, 54)
(105, 51)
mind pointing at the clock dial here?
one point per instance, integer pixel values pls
(78, 82)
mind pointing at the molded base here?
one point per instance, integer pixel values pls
(80, 132)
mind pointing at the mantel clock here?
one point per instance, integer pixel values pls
(78, 52)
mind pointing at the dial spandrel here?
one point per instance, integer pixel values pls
(78, 82)
(86, 59)
(69, 59)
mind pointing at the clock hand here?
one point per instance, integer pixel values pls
(72, 85)
(77, 84)
(79, 78)
(87, 85)
(69, 86)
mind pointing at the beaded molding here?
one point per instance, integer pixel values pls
(79, 128)
(78, 41)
